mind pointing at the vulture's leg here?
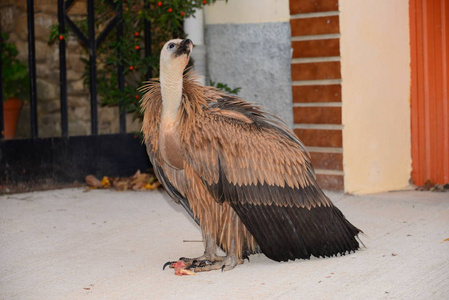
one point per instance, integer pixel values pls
(208, 256)
(224, 263)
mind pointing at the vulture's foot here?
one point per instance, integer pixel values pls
(203, 260)
(221, 263)
(203, 264)
(209, 255)
(210, 260)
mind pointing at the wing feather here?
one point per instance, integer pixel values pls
(249, 155)
(263, 171)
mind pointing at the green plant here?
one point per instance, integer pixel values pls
(166, 19)
(15, 79)
(224, 87)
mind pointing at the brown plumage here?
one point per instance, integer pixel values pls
(238, 170)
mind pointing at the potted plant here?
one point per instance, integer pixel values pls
(15, 85)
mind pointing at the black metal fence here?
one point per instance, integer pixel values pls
(37, 158)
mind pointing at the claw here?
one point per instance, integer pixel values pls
(246, 257)
(168, 263)
(222, 267)
(199, 264)
(204, 263)
(191, 266)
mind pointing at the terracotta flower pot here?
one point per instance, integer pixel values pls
(11, 111)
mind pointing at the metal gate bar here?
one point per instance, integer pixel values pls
(32, 69)
(120, 70)
(91, 43)
(63, 71)
(147, 32)
(1, 91)
(92, 66)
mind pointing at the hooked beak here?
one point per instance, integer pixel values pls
(185, 47)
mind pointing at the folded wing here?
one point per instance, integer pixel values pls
(252, 161)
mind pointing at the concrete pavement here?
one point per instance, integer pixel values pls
(103, 244)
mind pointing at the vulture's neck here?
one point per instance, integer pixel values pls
(171, 89)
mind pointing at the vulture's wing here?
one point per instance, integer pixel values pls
(252, 161)
(151, 108)
(172, 191)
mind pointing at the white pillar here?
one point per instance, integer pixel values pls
(194, 28)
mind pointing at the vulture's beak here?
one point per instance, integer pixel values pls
(185, 47)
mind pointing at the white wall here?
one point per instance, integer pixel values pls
(375, 62)
(247, 11)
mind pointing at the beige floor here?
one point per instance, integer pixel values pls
(71, 244)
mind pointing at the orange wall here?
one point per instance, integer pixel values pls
(429, 39)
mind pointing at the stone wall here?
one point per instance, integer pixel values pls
(14, 22)
(255, 57)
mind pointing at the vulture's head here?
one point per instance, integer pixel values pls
(175, 56)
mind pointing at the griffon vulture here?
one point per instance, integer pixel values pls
(239, 171)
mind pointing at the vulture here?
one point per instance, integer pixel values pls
(240, 172)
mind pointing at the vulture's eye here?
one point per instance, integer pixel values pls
(171, 46)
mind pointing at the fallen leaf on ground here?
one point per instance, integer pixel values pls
(93, 182)
(138, 181)
(105, 183)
